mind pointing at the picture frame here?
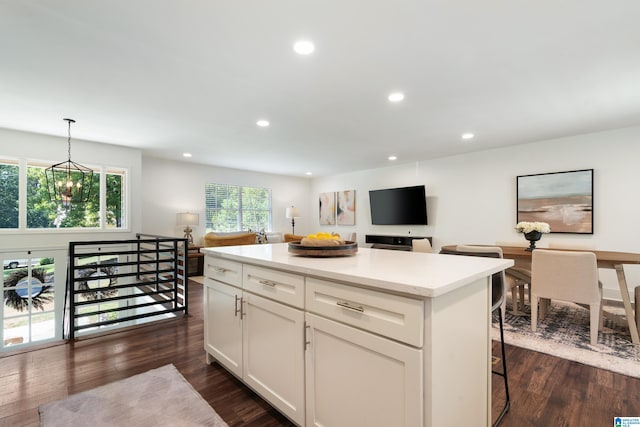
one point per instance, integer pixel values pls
(564, 200)
(346, 207)
(327, 208)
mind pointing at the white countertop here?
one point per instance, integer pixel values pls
(414, 273)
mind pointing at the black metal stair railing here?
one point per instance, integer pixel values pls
(117, 283)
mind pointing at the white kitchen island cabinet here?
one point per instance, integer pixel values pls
(260, 340)
(376, 339)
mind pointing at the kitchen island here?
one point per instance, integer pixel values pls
(381, 338)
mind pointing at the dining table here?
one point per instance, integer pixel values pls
(606, 259)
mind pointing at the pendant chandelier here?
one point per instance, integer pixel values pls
(69, 182)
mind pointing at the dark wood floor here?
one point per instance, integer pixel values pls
(545, 391)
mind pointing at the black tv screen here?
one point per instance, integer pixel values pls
(399, 206)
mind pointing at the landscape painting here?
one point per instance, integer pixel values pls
(564, 200)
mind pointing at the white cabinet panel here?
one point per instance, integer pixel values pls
(355, 378)
(223, 324)
(274, 354)
(285, 287)
(393, 316)
(223, 270)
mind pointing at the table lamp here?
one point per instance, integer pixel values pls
(293, 213)
(188, 219)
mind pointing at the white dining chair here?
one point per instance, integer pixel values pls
(421, 245)
(567, 276)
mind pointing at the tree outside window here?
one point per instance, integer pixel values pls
(42, 213)
(235, 208)
(9, 192)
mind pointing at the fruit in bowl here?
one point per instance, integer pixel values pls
(322, 238)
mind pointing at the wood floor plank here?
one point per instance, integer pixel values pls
(545, 390)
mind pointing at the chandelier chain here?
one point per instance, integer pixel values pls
(69, 121)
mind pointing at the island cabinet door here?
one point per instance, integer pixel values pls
(274, 354)
(223, 325)
(355, 378)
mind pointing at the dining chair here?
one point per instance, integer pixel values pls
(567, 276)
(516, 279)
(421, 245)
(636, 292)
(497, 301)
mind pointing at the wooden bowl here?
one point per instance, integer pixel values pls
(348, 249)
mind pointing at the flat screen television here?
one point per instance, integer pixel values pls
(399, 206)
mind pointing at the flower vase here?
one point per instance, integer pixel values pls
(532, 237)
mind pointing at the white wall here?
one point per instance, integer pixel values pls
(472, 198)
(170, 187)
(52, 149)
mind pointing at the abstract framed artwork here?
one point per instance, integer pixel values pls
(346, 207)
(327, 208)
(564, 200)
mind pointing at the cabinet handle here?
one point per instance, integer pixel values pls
(235, 312)
(267, 283)
(306, 339)
(242, 313)
(219, 269)
(349, 306)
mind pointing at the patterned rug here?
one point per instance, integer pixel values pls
(564, 333)
(159, 397)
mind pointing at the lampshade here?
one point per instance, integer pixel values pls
(187, 218)
(292, 212)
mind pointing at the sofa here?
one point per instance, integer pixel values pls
(229, 239)
(213, 239)
(288, 237)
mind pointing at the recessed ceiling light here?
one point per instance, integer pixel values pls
(393, 158)
(308, 173)
(396, 97)
(303, 47)
(186, 155)
(468, 136)
(263, 123)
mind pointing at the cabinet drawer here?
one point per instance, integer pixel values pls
(392, 316)
(223, 270)
(277, 285)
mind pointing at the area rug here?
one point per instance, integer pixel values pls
(159, 397)
(564, 333)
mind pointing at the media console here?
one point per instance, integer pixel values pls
(402, 243)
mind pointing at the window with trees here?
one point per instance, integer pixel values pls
(235, 208)
(109, 184)
(9, 193)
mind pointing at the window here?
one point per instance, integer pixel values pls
(115, 207)
(33, 298)
(41, 213)
(235, 208)
(9, 192)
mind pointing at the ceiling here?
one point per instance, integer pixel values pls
(171, 76)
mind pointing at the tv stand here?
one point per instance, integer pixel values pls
(399, 243)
